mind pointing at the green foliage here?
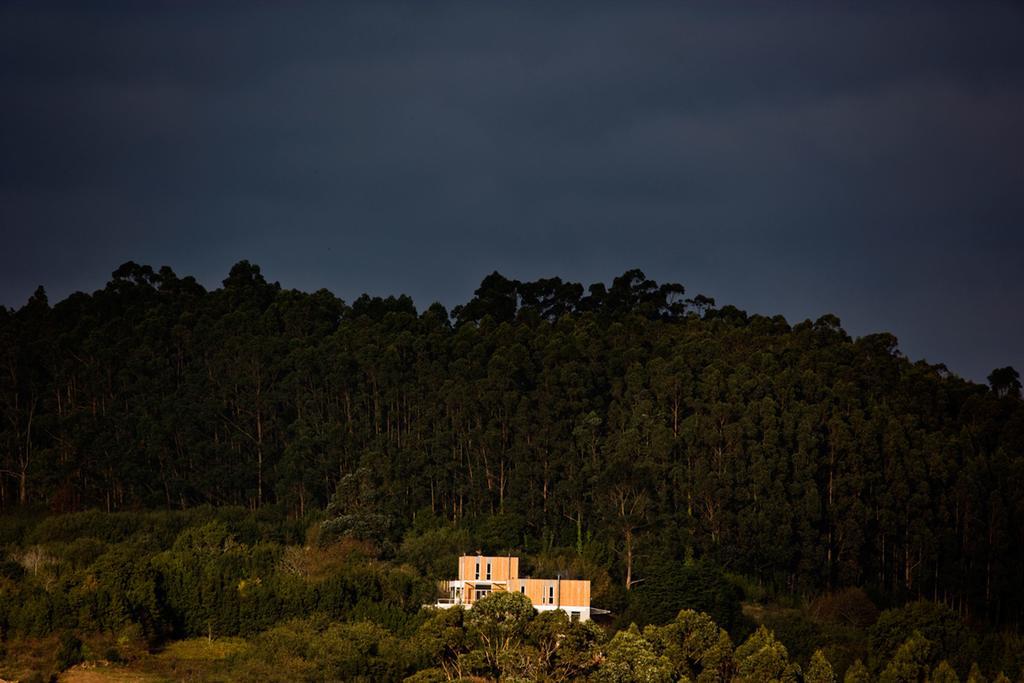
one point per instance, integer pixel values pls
(613, 432)
(577, 651)
(936, 624)
(312, 650)
(434, 551)
(123, 589)
(669, 587)
(857, 673)
(1005, 382)
(441, 640)
(497, 624)
(629, 658)
(910, 663)
(82, 552)
(695, 645)
(849, 606)
(793, 455)
(762, 658)
(797, 632)
(974, 675)
(944, 673)
(500, 534)
(11, 570)
(356, 509)
(69, 651)
(432, 675)
(211, 539)
(819, 670)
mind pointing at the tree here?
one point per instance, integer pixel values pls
(496, 297)
(69, 651)
(578, 653)
(857, 673)
(974, 675)
(612, 424)
(355, 509)
(934, 623)
(629, 506)
(1005, 382)
(819, 670)
(944, 673)
(910, 664)
(497, 624)
(695, 645)
(670, 586)
(629, 658)
(441, 641)
(545, 633)
(762, 658)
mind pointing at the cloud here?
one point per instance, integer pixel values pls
(784, 157)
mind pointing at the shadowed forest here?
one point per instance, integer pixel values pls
(284, 475)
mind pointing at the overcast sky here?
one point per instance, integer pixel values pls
(801, 159)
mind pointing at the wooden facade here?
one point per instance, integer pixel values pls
(480, 575)
(485, 568)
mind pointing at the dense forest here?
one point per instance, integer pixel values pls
(677, 453)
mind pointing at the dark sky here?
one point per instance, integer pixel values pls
(798, 158)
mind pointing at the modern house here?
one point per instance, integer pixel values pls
(480, 575)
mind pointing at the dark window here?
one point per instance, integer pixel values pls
(574, 616)
(488, 571)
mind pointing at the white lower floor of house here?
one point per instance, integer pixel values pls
(575, 613)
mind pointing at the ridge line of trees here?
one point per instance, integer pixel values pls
(626, 415)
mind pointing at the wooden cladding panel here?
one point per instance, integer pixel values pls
(575, 592)
(502, 568)
(567, 592)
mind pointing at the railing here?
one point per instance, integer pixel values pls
(449, 601)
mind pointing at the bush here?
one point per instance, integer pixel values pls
(315, 650)
(798, 633)
(434, 552)
(849, 607)
(69, 651)
(9, 569)
(934, 623)
(671, 587)
(82, 552)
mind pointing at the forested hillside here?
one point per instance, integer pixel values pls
(538, 415)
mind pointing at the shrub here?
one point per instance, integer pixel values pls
(673, 586)
(799, 634)
(434, 552)
(849, 607)
(935, 623)
(69, 651)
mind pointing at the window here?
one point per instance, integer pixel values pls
(522, 589)
(477, 570)
(482, 592)
(574, 617)
(488, 570)
(551, 594)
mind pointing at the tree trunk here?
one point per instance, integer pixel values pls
(629, 557)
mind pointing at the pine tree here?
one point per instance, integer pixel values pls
(819, 670)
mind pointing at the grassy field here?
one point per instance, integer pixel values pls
(185, 660)
(85, 673)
